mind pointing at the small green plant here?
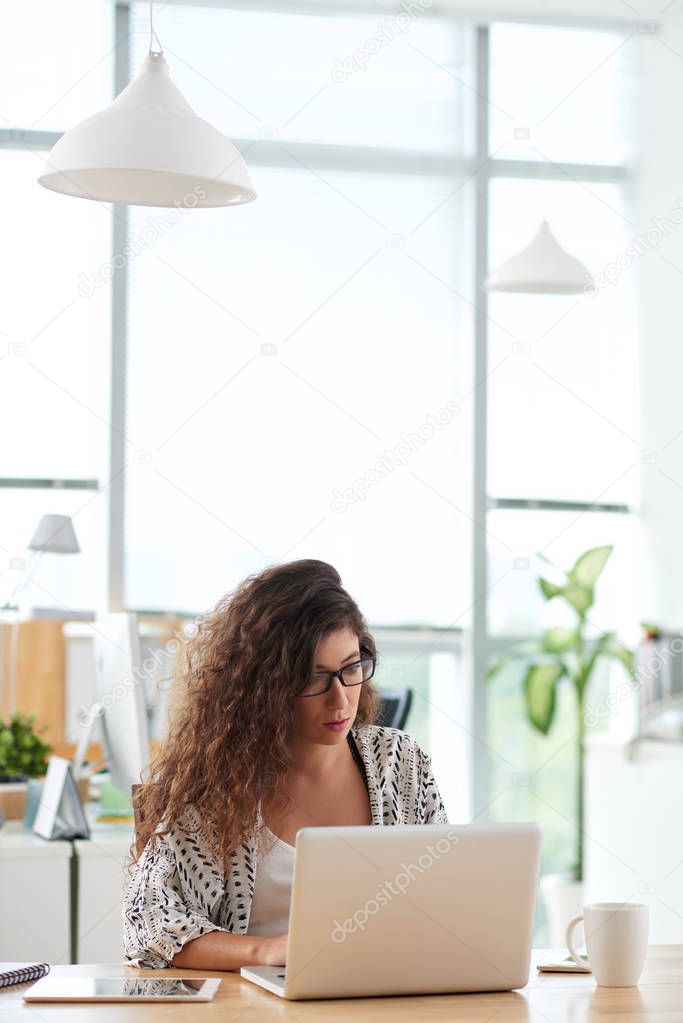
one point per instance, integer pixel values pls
(22, 751)
(570, 655)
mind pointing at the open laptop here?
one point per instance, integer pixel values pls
(408, 909)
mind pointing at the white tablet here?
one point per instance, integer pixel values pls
(123, 989)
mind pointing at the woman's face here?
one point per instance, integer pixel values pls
(339, 703)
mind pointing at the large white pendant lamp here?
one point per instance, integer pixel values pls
(149, 148)
(543, 267)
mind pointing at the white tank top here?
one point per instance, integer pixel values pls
(272, 889)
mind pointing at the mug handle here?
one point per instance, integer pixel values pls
(570, 941)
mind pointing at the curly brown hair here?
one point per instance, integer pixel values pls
(228, 742)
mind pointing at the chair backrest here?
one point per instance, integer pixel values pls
(395, 707)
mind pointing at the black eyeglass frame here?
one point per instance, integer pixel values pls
(338, 674)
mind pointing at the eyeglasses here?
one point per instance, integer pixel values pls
(350, 675)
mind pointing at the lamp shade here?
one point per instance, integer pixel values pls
(543, 267)
(149, 148)
(55, 534)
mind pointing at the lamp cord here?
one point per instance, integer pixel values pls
(152, 33)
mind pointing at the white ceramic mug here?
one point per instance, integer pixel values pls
(616, 941)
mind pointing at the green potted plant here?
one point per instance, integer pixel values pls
(567, 655)
(23, 755)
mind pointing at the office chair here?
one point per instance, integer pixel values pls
(395, 707)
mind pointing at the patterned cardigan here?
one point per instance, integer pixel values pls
(178, 889)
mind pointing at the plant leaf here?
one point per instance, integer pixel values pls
(599, 644)
(623, 654)
(589, 565)
(539, 689)
(559, 639)
(520, 650)
(496, 667)
(548, 589)
(577, 596)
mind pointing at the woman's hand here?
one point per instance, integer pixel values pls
(274, 950)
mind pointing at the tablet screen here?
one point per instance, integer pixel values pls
(115, 989)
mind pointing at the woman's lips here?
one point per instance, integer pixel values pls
(335, 726)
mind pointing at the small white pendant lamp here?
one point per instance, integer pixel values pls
(55, 534)
(543, 267)
(149, 148)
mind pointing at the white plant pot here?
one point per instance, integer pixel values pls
(564, 899)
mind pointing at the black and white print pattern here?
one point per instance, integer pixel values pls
(178, 891)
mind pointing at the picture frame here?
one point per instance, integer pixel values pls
(60, 812)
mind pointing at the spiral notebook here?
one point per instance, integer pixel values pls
(19, 973)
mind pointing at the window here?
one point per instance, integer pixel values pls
(301, 372)
(563, 431)
(298, 368)
(56, 64)
(556, 430)
(54, 335)
(582, 111)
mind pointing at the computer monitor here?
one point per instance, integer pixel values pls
(120, 693)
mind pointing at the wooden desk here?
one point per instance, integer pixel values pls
(548, 998)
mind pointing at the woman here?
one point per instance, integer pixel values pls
(274, 733)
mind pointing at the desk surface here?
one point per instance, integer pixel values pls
(553, 998)
(16, 842)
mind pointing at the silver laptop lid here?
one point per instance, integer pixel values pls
(411, 909)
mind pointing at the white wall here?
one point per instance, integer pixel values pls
(659, 191)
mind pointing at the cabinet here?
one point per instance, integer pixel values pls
(102, 876)
(48, 887)
(35, 897)
(634, 830)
